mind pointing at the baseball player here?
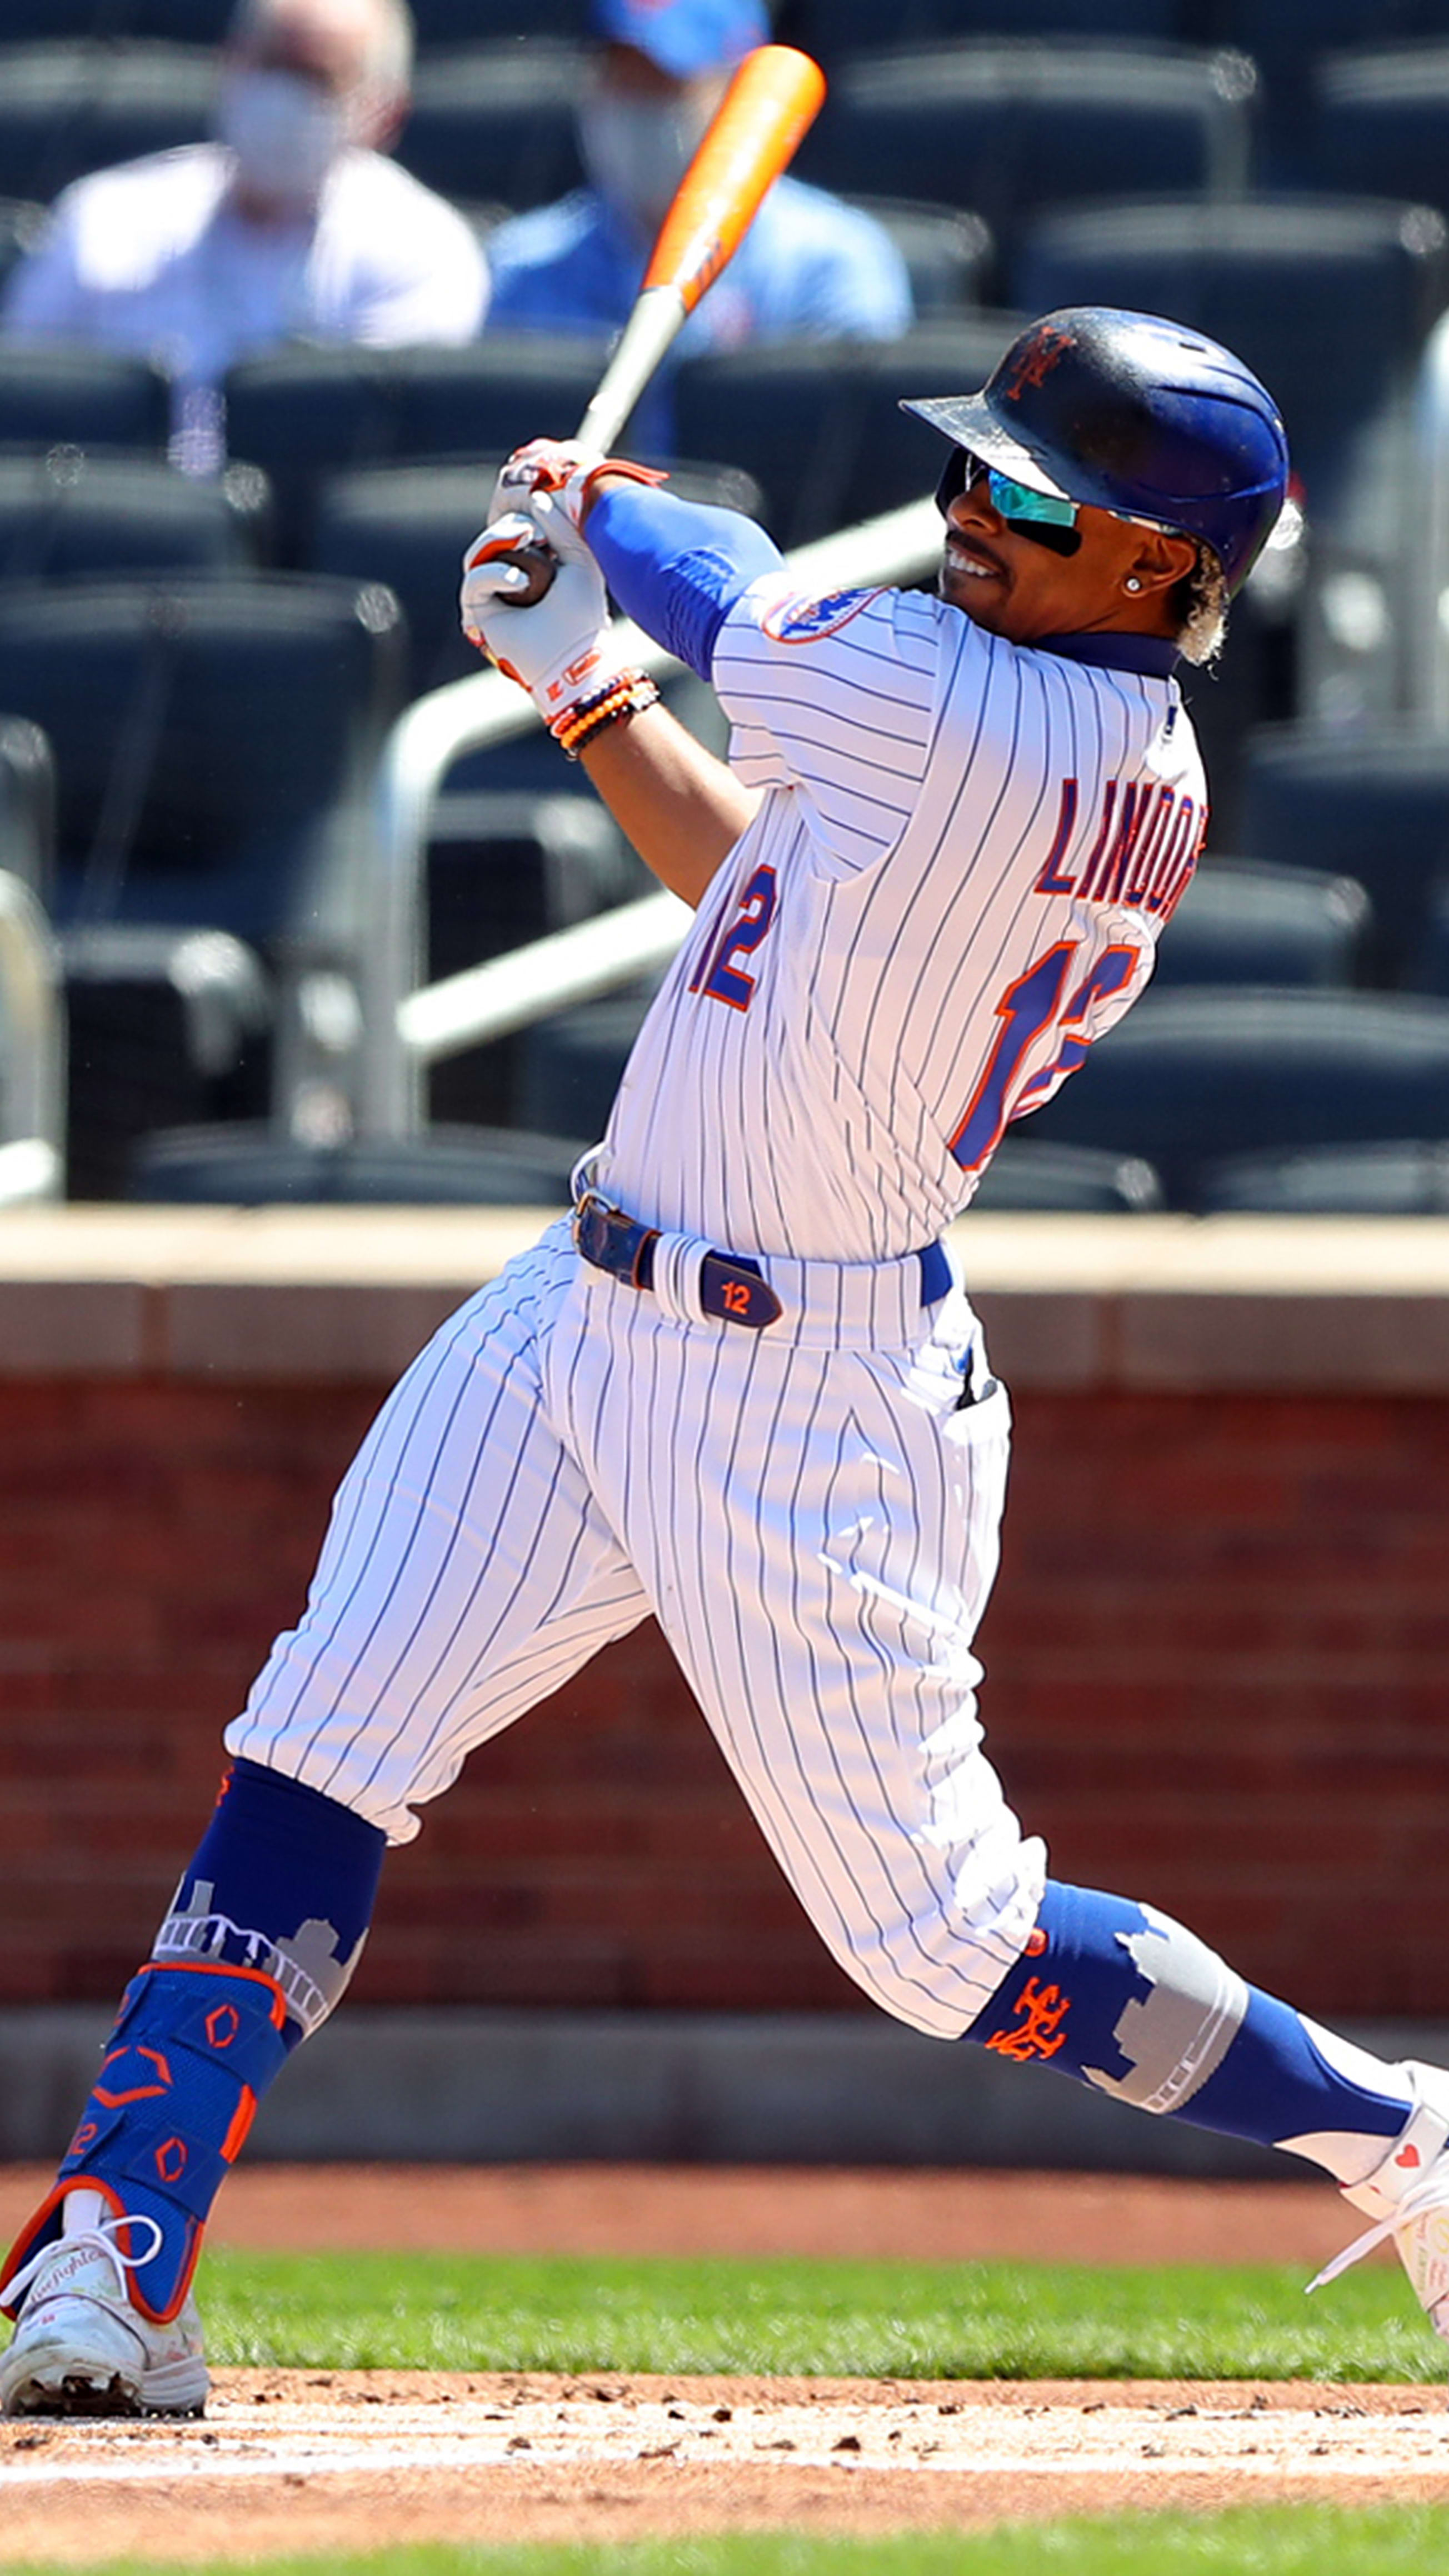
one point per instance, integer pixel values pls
(743, 1387)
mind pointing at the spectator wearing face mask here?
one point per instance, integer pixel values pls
(810, 266)
(292, 225)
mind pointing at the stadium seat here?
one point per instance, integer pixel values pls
(1432, 973)
(1286, 39)
(505, 868)
(949, 254)
(193, 22)
(66, 109)
(1379, 121)
(27, 807)
(303, 413)
(1373, 806)
(63, 512)
(1192, 1077)
(407, 526)
(252, 1166)
(214, 741)
(164, 1025)
(833, 30)
(1390, 1179)
(570, 1067)
(463, 22)
(1023, 1177)
(496, 121)
(819, 424)
(1244, 924)
(20, 223)
(64, 395)
(1005, 128)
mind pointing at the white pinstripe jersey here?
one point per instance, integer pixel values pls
(954, 884)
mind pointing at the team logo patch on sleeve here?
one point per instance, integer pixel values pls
(805, 621)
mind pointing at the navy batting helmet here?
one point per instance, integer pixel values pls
(1132, 413)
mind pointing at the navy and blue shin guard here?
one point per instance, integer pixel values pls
(265, 1929)
(1124, 1999)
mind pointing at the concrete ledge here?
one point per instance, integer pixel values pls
(674, 2088)
(1070, 1303)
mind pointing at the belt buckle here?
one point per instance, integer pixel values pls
(591, 1227)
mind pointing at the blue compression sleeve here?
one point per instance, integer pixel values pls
(676, 567)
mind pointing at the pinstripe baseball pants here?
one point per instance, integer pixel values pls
(812, 1514)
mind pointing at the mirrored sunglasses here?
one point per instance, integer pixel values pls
(1018, 502)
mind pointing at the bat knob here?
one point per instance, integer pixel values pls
(541, 567)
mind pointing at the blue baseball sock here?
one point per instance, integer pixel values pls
(1125, 2000)
(263, 1933)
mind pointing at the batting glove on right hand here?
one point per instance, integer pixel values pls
(564, 471)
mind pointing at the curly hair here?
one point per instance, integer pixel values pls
(1201, 602)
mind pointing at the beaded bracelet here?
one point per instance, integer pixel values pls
(627, 694)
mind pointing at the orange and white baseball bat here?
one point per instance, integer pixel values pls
(771, 102)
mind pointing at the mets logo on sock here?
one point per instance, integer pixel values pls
(805, 621)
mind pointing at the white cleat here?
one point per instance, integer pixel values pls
(81, 2348)
(1408, 2198)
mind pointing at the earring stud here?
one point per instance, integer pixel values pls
(1132, 582)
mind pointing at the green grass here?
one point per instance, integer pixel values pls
(1259, 2541)
(823, 2320)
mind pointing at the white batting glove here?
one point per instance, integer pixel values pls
(564, 471)
(560, 649)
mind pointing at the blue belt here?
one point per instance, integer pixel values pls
(731, 1286)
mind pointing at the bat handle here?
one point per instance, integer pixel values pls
(541, 567)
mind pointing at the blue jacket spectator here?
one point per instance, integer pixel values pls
(810, 266)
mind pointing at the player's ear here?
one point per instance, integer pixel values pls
(1160, 560)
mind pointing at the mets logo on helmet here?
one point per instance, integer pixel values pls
(804, 621)
(1033, 364)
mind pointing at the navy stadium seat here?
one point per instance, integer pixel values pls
(1432, 973)
(833, 30)
(1374, 806)
(818, 423)
(305, 413)
(1380, 122)
(21, 220)
(27, 806)
(949, 254)
(1389, 1179)
(67, 109)
(467, 22)
(497, 121)
(106, 22)
(1024, 1177)
(1244, 924)
(63, 512)
(504, 868)
(1190, 1078)
(250, 1165)
(1005, 128)
(570, 1066)
(1287, 39)
(64, 395)
(162, 1025)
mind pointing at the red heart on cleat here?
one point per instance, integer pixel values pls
(1408, 2157)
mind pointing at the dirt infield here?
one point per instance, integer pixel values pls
(312, 2459)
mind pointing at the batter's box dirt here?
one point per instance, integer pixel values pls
(365, 2458)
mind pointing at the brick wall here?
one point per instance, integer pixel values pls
(1216, 1663)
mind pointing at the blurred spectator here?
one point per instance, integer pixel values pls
(292, 225)
(809, 266)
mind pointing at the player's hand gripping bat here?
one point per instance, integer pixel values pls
(769, 105)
